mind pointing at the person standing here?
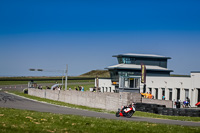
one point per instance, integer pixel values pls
(79, 88)
(82, 88)
(188, 101)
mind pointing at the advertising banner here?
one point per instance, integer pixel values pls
(143, 73)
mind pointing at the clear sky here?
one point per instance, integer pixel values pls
(84, 34)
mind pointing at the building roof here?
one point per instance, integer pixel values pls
(195, 72)
(138, 67)
(141, 55)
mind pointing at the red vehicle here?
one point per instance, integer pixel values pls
(126, 111)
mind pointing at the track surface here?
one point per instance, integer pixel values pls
(12, 101)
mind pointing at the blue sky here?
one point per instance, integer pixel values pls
(49, 34)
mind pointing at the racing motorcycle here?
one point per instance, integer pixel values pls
(126, 111)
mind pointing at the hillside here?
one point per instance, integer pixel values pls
(99, 73)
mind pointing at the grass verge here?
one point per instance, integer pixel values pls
(17, 121)
(137, 113)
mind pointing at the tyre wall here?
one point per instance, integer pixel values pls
(162, 110)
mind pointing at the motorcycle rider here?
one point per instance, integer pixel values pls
(124, 107)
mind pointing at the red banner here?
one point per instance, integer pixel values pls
(143, 73)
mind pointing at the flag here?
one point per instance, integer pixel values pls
(143, 73)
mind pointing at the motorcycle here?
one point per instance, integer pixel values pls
(126, 111)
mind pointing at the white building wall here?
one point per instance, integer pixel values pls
(106, 85)
(195, 83)
(168, 83)
(192, 83)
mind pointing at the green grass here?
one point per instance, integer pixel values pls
(43, 82)
(13, 82)
(137, 113)
(18, 121)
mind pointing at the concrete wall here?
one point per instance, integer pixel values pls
(109, 101)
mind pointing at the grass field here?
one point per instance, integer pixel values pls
(18, 121)
(137, 113)
(42, 82)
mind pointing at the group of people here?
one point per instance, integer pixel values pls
(147, 95)
(80, 88)
(57, 88)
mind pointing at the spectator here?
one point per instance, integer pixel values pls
(82, 88)
(58, 88)
(146, 95)
(163, 97)
(48, 87)
(79, 87)
(150, 96)
(188, 102)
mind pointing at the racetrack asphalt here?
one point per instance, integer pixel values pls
(17, 102)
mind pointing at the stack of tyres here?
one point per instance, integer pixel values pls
(164, 111)
(170, 111)
(139, 107)
(175, 112)
(153, 108)
(147, 108)
(182, 112)
(196, 113)
(160, 109)
(188, 112)
(164, 106)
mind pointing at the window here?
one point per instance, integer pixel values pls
(150, 90)
(127, 82)
(186, 93)
(170, 93)
(163, 91)
(156, 93)
(178, 94)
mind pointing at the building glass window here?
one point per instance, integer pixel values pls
(129, 82)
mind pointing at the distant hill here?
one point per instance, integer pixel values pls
(99, 73)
